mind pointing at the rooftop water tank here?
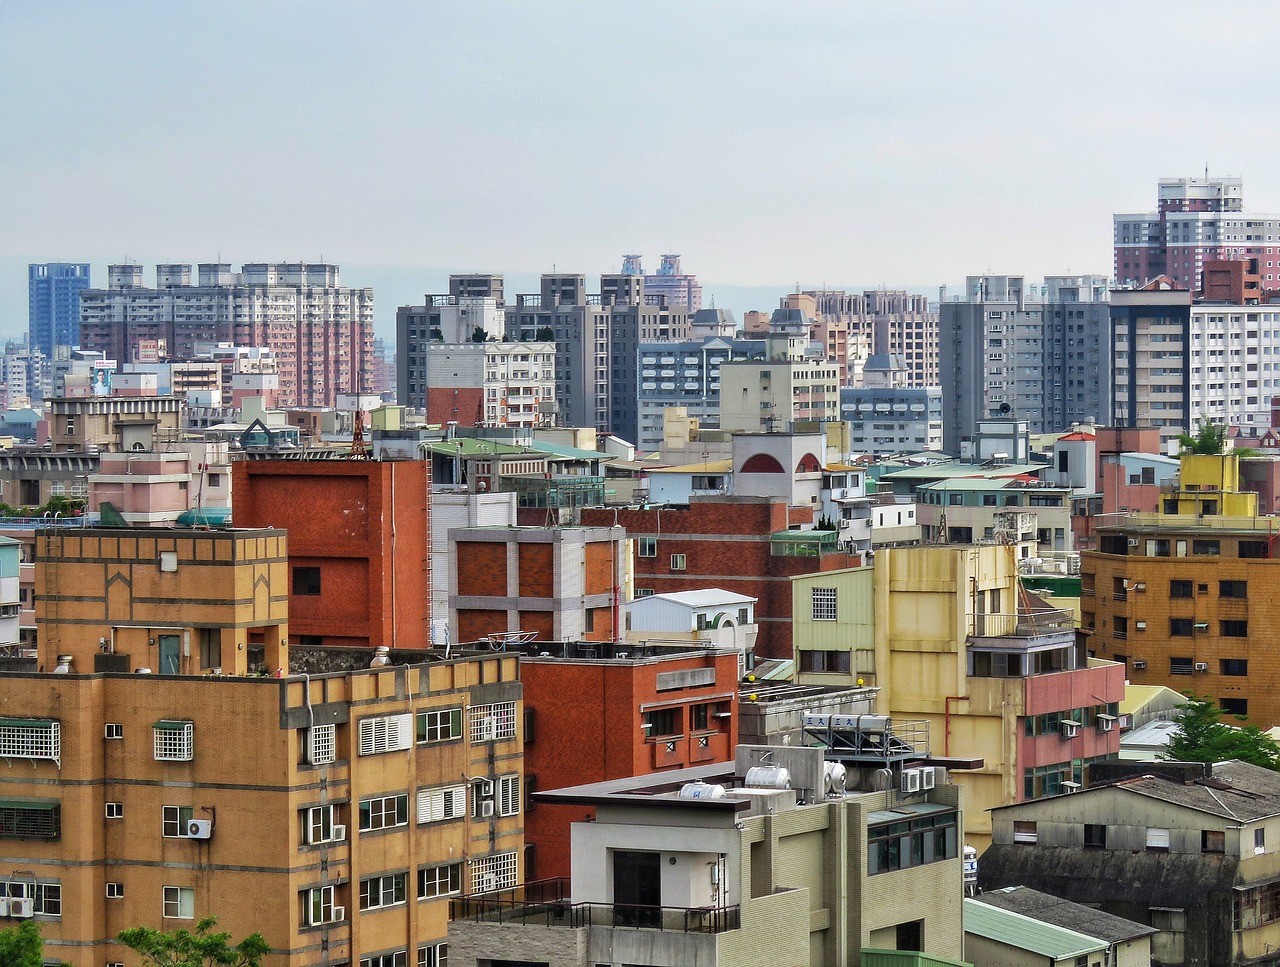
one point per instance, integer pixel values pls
(701, 790)
(834, 778)
(768, 777)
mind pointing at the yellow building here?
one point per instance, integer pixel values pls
(1209, 486)
(334, 810)
(833, 627)
(994, 670)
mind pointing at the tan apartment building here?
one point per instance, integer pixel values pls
(773, 394)
(113, 422)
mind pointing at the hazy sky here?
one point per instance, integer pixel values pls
(852, 144)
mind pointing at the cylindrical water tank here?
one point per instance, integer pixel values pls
(837, 777)
(768, 777)
(701, 790)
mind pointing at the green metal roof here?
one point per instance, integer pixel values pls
(471, 447)
(571, 453)
(205, 517)
(1004, 484)
(44, 804)
(1026, 933)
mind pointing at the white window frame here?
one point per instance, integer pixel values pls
(492, 722)
(45, 895)
(438, 725)
(318, 823)
(646, 547)
(173, 740)
(174, 819)
(396, 958)
(508, 795)
(502, 867)
(386, 733)
(322, 744)
(441, 804)
(824, 604)
(379, 892)
(679, 562)
(325, 898)
(438, 881)
(115, 890)
(114, 810)
(434, 955)
(178, 899)
(383, 811)
(22, 738)
(113, 730)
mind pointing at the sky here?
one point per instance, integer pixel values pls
(845, 144)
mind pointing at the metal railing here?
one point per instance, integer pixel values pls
(546, 903)
(1026, 625)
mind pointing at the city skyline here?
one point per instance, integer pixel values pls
(852, 146)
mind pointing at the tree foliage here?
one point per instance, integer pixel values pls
(182, 948)
(1210, 439)
(21, 946)
(1202, 736)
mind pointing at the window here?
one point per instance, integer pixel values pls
(45, 895)
(1181, 627)
(1233, 629)
(663, 722)
(1213, 841)
(823, 604)
(30, 739)
(1180, 589)
(647, 546)
(1233, 666)
(1095, 836)
(911, 842)
(496, 872)
(173, 824)
(113, 730)
(508, 795)
(434, 881)
(490, 722)
(384, 812)
(318, 906)
(115, 891)
(439, 725)
(322, 744)
(437, 805)
(397, 958)
(1157, 839)
(677, 562)
(1233, 589)
(320, 825)
(114, 810)
(387, 890)
(1205, 547)
(386, 733)
(1259, 841)
(1234, 706)
(306, 580)
(434, 955)
(1024, 832)
(179, 903)
(832, 661)
(173, 741)
(30, 819)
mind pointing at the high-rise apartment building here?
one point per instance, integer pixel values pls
(679, 288)
(320, 332)
(53, 303)
(1039, 353)
(883, 322)
(1196, 220)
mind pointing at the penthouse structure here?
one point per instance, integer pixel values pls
(320, 332)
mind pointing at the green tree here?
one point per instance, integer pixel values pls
(1211, 439)
(182, 948)
(1202, 736)
(478, 334)
(21, 946)
(546, 334)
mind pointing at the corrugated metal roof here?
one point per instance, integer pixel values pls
(1026, 933)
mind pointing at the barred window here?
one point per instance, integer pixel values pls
(436, 805)
(322, 744)
(434, 881)
(823, 601)
(497, 721)
(174, 741)
(30, 819)
(386, 733)
(508, 795)
(384, 812)
(383, 891)
(439, 725)
(31, 739)
(496, 872)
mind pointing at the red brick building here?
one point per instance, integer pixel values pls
(559, 583)
(740, 544)
(614, 715)
(359, 545)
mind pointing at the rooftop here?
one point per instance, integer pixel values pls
(1026, 933)
(1050, 909)
(945, 470)
(702, 598)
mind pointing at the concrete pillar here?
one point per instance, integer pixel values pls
(275, 643)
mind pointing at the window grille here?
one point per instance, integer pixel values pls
(174, 741)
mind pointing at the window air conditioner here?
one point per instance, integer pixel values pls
(1202, 666)
(484, 787)
(338, 915)
(1139, 666)
(1070, 729)
(338, 834)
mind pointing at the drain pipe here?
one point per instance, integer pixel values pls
(946, 733)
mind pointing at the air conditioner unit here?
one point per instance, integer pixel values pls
(1069, 729)
(339, 914)
(338, 834)
(1071, 786)
(486, 809)
(1202, 666)
(199, 829)
(1140, 625)
(1139, 666)
(484, 787)
(911, 780)
(4, 906)
(23, 908)
(928, 777)
(1202, 626)
(1106, 723)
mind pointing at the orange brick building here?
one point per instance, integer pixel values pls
(560, 583)
(603, 711)
(359, 545)
(740, 544)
